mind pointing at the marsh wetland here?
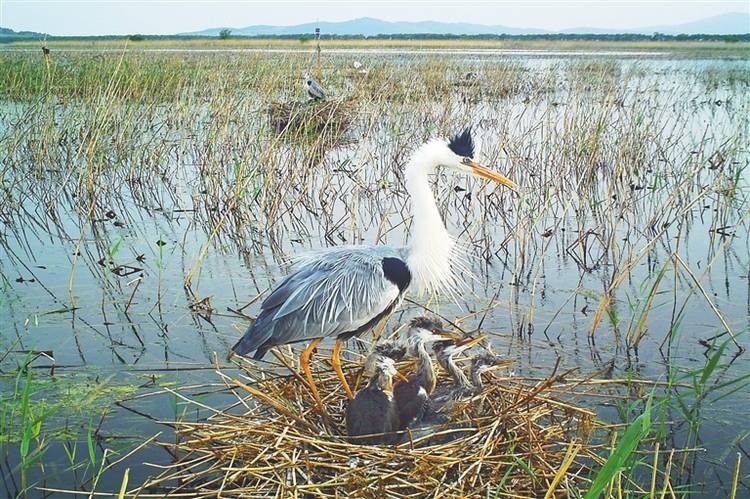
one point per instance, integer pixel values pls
(148, 205)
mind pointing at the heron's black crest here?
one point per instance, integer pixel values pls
(463, 144)
(396, 271)
(428, 323)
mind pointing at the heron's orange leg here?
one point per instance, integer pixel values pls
(304, 360)
(336, 363)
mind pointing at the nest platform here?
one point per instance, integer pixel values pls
(515, 439)
(311, 117)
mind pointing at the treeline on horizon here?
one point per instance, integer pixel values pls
(745, 37)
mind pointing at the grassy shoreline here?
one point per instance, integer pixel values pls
(693, 48)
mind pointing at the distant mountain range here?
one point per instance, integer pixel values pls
(7, 32)
(369, 26)
(724, 24)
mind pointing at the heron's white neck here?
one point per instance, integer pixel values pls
(431, 246)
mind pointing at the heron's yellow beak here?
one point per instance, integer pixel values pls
(469, 342)
(481, 171)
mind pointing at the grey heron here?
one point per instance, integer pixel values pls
(313, 88)
(372, 417)
(359, 68)
(344, 291)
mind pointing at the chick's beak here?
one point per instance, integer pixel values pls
(469, 341)
(448, 335)
(481, 171)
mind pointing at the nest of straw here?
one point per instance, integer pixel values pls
(311, 117)
(272, 443)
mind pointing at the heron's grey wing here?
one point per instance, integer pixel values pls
(332, 292)
(345, 289)
(287, 287)
(316, 90)
(262, 328)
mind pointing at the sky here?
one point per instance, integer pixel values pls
(104, 17)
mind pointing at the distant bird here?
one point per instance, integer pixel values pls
(343, 292)
(359, 68)
(412, 395)
(313, 88)
(45, 50)
(371, 418)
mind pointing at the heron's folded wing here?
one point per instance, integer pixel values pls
(317, 90)
(334, 292)
(287, 287)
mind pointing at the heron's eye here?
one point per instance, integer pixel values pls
(466, 161)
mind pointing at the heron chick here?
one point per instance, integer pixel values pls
(372, 417)
(412, 395)
(435, 417)
(481, 364)
(446, 353)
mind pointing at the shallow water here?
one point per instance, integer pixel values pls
(102, 291)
